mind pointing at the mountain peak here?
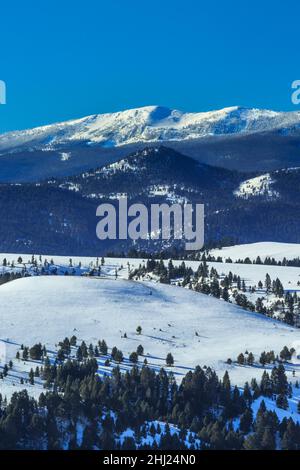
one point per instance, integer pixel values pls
(149, 124)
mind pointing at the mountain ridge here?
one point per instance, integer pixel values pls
(58, 215)
(150, 124)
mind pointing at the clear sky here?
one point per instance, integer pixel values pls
(67, 59)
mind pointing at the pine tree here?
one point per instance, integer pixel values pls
(263, 358)
(268, 440)
(31, 377)
(285, 354)
(169, 360)
(268, 282)
(103, 347)
(36, 352)
(289, 439)
(241, 359)
(119, 356)
(79, 355)
(266, 385)
(225, 294)
(279, 380)
(133, 357)
(5, 370)
(282, 402)
(25, 354)
(250, 359)
(246, 421)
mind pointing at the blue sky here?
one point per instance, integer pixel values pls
(66, 59)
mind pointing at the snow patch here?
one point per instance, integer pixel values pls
(65, 156)
(258, 186)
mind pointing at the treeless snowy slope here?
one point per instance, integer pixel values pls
(262, 249)
(49, 308)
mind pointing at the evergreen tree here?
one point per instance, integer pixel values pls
(241, 359)
(268, 439)
(246, 421)
(133, 357)
(282, 402)
(169, 360)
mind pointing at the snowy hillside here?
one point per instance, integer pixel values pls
(92, 299)
(278, 251)
(149, 124)
(55, 307)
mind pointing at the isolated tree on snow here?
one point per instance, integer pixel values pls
(169, 360)
(36, 352)
(25, 353)
(31, 377)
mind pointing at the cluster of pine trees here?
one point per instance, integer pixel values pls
(206, 281)
(268, 261)
(204, 255)
(202, 406)
(9, 276)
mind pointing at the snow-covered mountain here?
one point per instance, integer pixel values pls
(57, 215)
(149, 124)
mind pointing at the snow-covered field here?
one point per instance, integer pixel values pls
(278, 251)
(195, 328)
(251, 273)
(49, 308)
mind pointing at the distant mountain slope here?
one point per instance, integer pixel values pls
(150, 124)
(235, 138)
(151, 172)
(280, 184)
(58, 215)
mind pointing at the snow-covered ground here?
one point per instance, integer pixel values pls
(195, 328)
(48, 308)
(278, 251)
(251, 273)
